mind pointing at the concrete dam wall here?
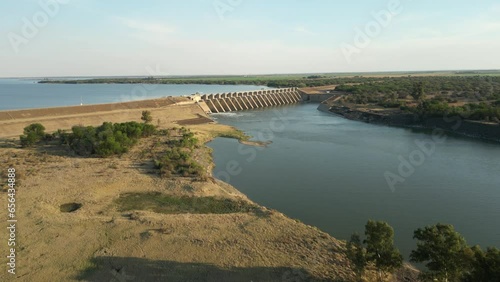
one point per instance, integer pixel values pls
(240, 101)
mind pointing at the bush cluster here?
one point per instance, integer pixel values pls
(117, 138)
(106, 140)
(479, 88)
(473, 111)
(177, 159)
(33, 133)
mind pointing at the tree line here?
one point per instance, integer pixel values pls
(309, 81)
(473, 98)
(479, 88)
(442, 250)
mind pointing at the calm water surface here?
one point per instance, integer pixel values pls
(26, 93)
(329, 172)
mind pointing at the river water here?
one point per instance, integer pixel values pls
(329, 172)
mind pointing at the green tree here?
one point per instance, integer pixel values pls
(32, 133)
(107, 139)
(485, 265)
(28, 140)
(380, 247)
(83, 140)
(418, 92)
(356, 253)
(36, 128)
(146, 116)
(443, 250)
(108, 147)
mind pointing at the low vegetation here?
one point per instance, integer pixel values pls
(33, 134)
(473, 98)
(105, 140)
(474, 87)
(437, 107)
(172, 156)
(234, 134)
(177, 158)
(169, 204)
(440, 248)
(146, 116)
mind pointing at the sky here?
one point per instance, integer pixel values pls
(196, 37)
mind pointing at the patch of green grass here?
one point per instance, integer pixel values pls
(167, 204)
(234, 134)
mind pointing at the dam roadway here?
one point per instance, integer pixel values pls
(247, 100)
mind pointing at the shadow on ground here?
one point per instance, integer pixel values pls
(137, 269)
(54, 148)
(7, 143)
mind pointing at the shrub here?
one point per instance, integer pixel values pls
(146, 116)
(178, 160)
(33, 133)
(148, 130)
(36, 128)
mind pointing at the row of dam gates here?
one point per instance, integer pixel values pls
(240, 101)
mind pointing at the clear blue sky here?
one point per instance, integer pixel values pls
(124, 37)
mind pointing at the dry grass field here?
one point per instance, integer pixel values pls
(103, 241)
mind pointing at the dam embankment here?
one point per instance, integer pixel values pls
(170, 111)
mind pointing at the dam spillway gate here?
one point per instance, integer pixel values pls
(247, 100)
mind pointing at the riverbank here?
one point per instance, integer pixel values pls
(397, 118)
(99, 241)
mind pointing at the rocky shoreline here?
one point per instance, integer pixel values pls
(480, 130)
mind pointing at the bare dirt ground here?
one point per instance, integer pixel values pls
(99, 243)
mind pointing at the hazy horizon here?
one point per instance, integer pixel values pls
(75, 38)
(255, 74)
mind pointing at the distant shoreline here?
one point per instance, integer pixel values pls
(276, 80)
(337, 74)
(473, 129)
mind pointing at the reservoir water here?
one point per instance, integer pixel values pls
(329, 172)
(27, 93)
